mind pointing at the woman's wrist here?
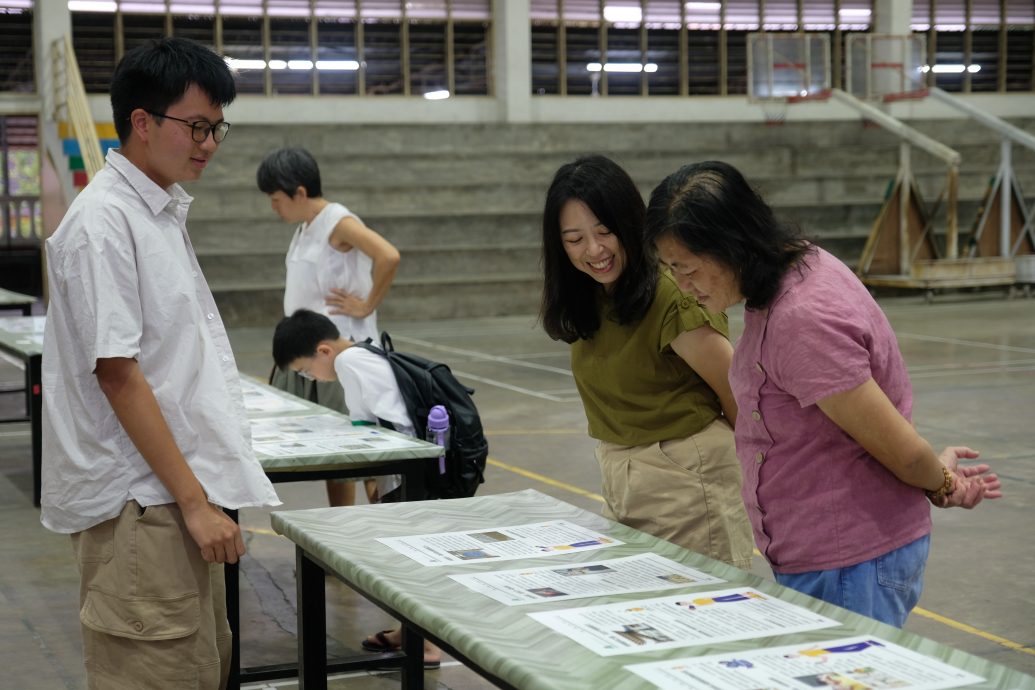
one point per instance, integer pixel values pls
(948, 486)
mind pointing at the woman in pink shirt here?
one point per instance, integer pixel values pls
(837, 482)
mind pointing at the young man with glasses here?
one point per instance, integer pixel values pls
(144, 432)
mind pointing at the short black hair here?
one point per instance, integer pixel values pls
(299, 334)
(569, 309)
(287, 169)
(712, 210)
(157, 74)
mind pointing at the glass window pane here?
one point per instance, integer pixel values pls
(470, 58)
(663, 51)
(197, 28)
(545, 72)
(623, 49)
(17, 72)
(138, 29)
(93, 39)
(704, 63)
(382, 50)
(427, 58)
(984, 56)
(1018, 60)
(335, 53)
(291, 65)
(242, 40)
(583, 48)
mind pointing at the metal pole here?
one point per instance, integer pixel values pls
(952, 233)
(935, 148)
(1004, 128)
(905, 178)
(1005, 196)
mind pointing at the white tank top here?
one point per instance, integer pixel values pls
(314, 267)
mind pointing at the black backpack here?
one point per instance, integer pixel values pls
(423, 385)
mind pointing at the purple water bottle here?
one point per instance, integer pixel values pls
(438, 432)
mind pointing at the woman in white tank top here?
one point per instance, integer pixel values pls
(336, 265)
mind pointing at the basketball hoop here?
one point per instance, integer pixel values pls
(774, 110)
(917, 95)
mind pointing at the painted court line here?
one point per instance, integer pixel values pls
(968, 343)
(515, 389)
(969, 372)
(484, 356)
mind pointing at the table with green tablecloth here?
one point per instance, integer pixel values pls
(16, 301)
(297, 440)
(504, 643)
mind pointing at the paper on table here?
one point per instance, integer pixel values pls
(259, 399)
(682, 620)
(852, 663)
(499, 543)
(643, 572)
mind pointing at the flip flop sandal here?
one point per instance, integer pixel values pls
(380, 643)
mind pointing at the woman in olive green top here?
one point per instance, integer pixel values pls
(650, 364)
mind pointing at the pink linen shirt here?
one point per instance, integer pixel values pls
(816, 499)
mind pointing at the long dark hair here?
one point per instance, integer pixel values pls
(569, 309)
(712, 210)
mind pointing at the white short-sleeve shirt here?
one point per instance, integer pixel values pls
(372, 394)
(124, 282)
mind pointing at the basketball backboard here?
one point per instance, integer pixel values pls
(785, 66)
(885, 67)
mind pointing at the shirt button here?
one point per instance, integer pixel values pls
(684, 303)
(225, 358)
(210, 316)
(755, 415)
(759, 457)
(138, 626)
(194, 273)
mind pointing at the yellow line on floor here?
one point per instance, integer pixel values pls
(546, 480)
(963, 627)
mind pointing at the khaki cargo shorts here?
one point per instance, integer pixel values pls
(153, 612)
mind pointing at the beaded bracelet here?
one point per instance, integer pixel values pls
(947, 487)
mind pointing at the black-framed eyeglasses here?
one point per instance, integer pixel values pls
(199, 130)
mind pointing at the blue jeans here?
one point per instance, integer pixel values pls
(885, 588)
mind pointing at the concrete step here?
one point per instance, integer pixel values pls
(466, 296)
(417, 264)
(403, 230)
(527, 198)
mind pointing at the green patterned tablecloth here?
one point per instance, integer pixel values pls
(22, 335)
(503, 640)
(14, 300)
(352, 453)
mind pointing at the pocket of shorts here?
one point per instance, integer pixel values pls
(96, 544)
(686, 457)
(903, 568)
(142, 618)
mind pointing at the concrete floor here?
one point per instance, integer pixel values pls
(972, 359)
